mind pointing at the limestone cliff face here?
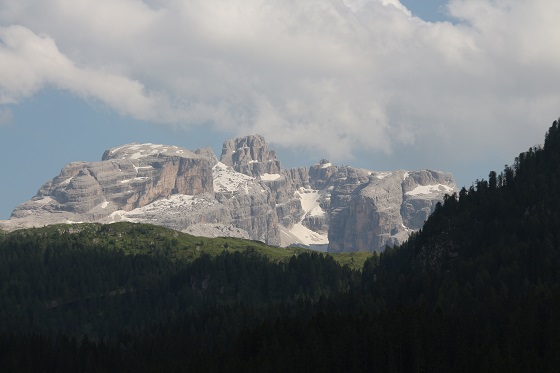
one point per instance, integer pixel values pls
(385, 209)
(159, 184)
(320, 174)
(251, 156)
(246, 194)
(369, 210)
(249, 202)
(366, 212)
(128, 177)
(422, 190)
(157, 171)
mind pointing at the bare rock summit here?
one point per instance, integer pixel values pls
(246, 193)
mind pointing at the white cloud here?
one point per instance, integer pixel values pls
(328, 74)
(30, 62)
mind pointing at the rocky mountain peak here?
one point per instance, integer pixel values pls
(321, 173)
(247, 194)
(251, 156)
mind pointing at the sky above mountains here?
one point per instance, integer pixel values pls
(460, 86)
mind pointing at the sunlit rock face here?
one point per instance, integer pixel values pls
(128, 177)
(247, 194)
(251, 156)
(367, 214)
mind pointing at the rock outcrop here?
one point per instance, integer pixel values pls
(383, 209)
(250, 156)
(247, 193)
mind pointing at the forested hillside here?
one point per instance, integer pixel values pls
(98, 279)
(477, 289)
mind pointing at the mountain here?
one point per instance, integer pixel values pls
(246, 193)
(476, 289)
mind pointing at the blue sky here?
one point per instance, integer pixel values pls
(461, 86)
(428, 10)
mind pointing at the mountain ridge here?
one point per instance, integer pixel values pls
(245, 193)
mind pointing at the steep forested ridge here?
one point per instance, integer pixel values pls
(477, 289)
(487, 265)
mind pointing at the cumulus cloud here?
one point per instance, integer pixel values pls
(30, 62)
(331, 75)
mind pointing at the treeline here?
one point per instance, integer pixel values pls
(477, 289)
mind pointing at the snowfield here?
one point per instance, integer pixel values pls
(307, 236)
(429, 189)
(227, 179)
(310, 203)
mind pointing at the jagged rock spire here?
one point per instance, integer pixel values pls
(251, 156)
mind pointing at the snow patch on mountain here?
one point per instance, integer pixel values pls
(135, 179)
(139, 151)
(270, 177)
(310, 201)
(429, 189)
(174, 205)
(67, 181)
(226, 179)
(382, 175)
(308, 237)
(137, 168)
(178, 202)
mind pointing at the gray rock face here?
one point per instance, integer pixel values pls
(246, 194)
(422, 191)
(127, 178)
(370, 210)
(250, 156)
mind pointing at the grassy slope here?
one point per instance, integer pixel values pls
(353, 260)
(152, 239)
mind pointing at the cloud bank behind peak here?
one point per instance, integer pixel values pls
(328, 75)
